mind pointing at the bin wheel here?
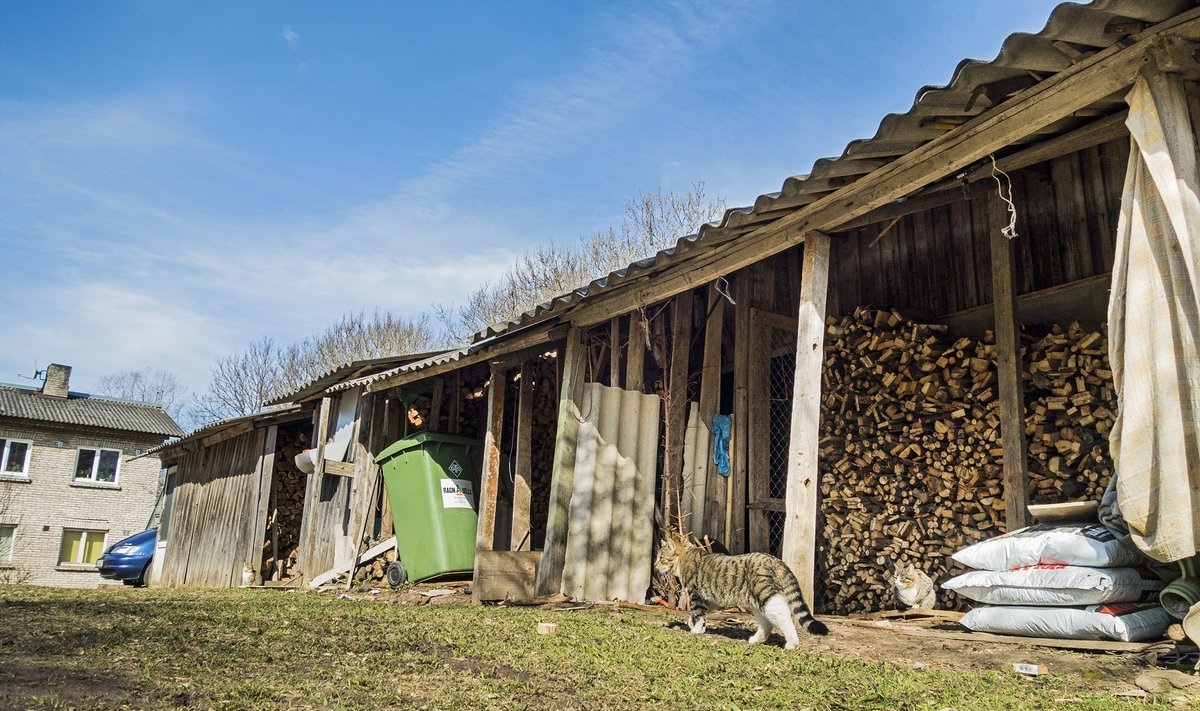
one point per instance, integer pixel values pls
(396, 574)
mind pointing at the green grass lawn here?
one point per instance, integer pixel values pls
(265, 649)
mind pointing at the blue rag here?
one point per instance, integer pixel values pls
(722, 426)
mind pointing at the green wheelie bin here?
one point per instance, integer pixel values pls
(432, 480)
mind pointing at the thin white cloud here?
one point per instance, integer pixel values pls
(290, 36)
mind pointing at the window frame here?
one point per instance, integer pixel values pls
(83, 541)
(96, 467)
(4, 450)
(12, 543)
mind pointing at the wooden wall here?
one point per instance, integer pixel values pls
(218, 511)
(936, 262)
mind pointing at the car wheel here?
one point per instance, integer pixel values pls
(396, 574)
(141, 579)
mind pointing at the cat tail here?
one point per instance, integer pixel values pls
(804, 615)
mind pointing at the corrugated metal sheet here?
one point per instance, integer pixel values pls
(345, 371)
(697, 459)
(974, 87)
(438, 359)
(81, 409)
(220, 426)
(610, 530)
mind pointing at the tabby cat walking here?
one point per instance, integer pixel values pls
(756, 582)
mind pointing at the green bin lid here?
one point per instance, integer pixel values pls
(421, 438)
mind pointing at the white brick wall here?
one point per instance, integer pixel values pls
(50, 501)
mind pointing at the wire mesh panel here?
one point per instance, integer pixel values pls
(781, 376)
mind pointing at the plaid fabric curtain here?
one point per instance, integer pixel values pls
(1154, 323)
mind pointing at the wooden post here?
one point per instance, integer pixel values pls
(799, 549)
(312, 492)
(712, 519)
(522, 497)
(614, 352)
(387, 525)
(435, 405)
(562, 481)
(455, 403)
(735, 533)
(675, 402)
(1008, 366)
(485, 534)
(635, 363)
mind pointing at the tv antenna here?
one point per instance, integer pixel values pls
(37, 374)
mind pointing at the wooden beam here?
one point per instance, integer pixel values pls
(735, 489)
(675, 401)
(455, 402)
(614, 352)
(321, 435)
(799, 549)
(635, 360)
(712, 519)
(435, 404)
(1008, 366)
(1051, 100)
(562, 480)
(522, 497)
(490, 478)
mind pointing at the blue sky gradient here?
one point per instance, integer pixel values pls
(179, 179)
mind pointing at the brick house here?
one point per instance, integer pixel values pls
(72, 480)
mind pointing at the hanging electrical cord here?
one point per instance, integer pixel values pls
(1009, 231)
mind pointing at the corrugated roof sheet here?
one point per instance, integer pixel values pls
(222, 425)
(350, 369)
(975, 86)
(437, 359)
(83, 410)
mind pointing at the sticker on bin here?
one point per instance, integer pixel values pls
(457, 494)
(455, 468)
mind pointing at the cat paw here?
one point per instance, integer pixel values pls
(791, 645)
(758, 638)
(699, 627)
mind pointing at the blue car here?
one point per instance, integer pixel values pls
(128, 560)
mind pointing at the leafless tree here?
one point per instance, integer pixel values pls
(243, 381)
(355, 337)
(240, 383)
(651, 222)
(160, 387)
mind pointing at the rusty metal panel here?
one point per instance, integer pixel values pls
(610, 530)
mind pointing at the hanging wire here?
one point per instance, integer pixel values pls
(1009, 231)
(723, 291)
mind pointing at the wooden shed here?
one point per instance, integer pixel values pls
(956, 265)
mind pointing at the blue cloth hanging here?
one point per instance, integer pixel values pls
(722, 429)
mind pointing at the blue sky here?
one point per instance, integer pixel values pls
(178, 179)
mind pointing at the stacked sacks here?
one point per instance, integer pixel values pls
(1073, 581)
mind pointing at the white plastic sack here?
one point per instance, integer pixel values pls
(1122, 621)
(1090, 545)
(1056, 585)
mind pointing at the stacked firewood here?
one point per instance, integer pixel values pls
(910, 444)
(288, 510)
(373, 571)
(1070, 406)
(545, 425)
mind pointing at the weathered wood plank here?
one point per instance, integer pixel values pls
(758, 432)
(735, 501)
(803, 486)
(713, 517)
(1008, 365)
(490, 477)
(635, 360)
(505, 575)
(521, 536)
(675, 402)
(614, 352)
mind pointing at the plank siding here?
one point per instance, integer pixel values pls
(938, 261)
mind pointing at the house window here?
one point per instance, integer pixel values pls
(97, 465)
(81, 547)
(7, 533)
(14, 456)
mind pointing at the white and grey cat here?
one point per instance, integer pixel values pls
(914, 589)
(756, 582)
